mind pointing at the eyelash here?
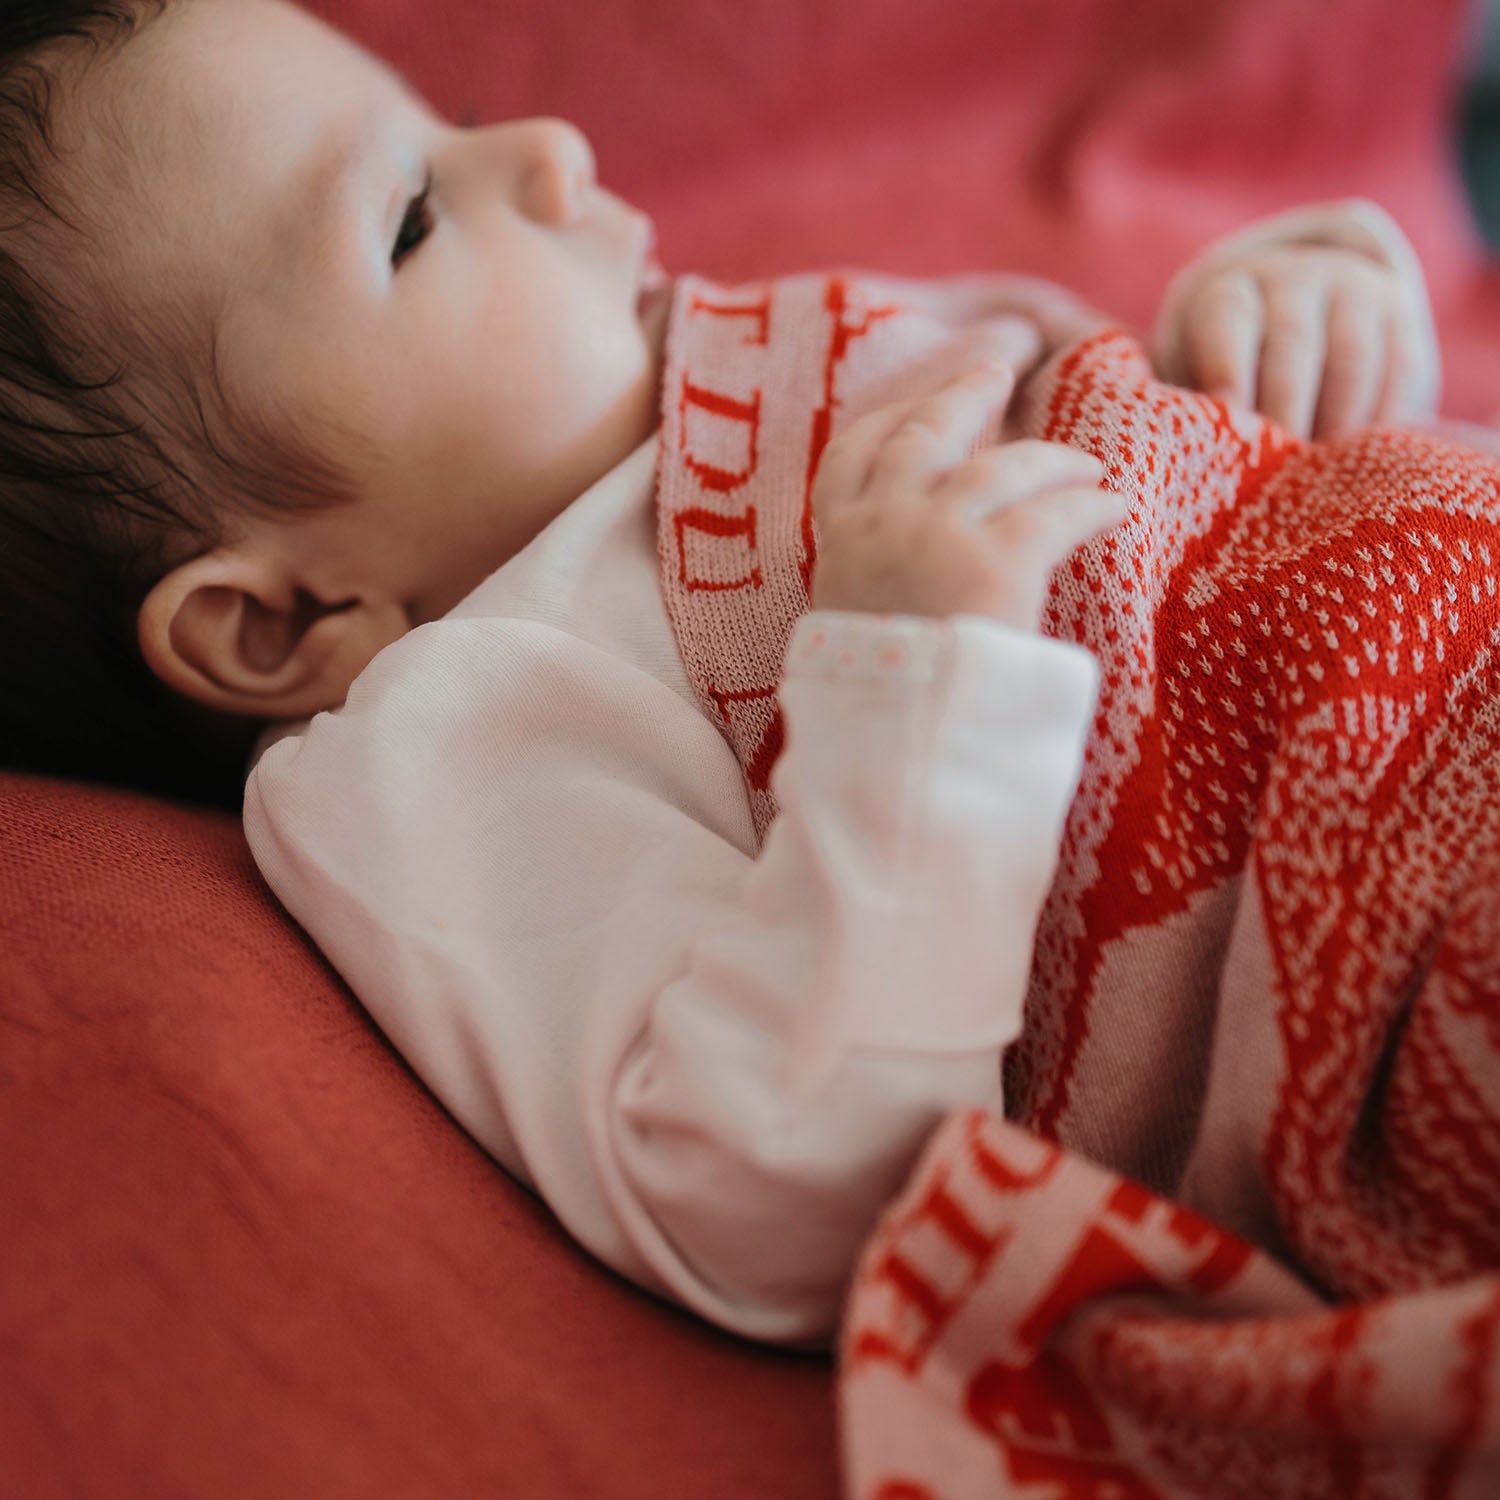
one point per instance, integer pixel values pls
(415, 226)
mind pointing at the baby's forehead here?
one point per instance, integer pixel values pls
(137, 125)
(186, 145)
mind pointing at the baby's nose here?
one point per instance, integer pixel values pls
(558, 170)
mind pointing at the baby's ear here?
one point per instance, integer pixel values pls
(235, 630)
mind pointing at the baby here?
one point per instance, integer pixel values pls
(323, 413)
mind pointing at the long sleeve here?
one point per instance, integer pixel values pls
(867, 972)
(532, 859)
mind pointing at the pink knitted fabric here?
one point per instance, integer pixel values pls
(1239, 1234)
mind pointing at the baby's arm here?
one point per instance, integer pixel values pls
(1318, 318)
(533, 862)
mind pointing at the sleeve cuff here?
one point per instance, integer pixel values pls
(895, 651)
(999, 669)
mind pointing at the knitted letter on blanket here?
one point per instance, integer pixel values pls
(1240, 1233)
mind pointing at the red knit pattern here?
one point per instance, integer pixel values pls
(1300, 682)
(1266, 982)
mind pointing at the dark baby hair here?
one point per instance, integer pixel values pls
(105, 484)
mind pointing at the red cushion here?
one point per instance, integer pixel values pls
(245, 1255)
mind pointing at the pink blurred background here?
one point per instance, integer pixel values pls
(1098, 142)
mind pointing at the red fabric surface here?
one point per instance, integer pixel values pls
(243, 1254)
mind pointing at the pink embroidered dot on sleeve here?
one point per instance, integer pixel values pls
(891, 652)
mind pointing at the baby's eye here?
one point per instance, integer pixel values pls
(415, 226)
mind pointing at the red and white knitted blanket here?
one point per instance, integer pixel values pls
(1239, 1234)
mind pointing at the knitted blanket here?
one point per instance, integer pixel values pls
(1239, 1232)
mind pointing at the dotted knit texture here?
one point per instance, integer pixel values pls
(1242, 1223)
(1300, 688)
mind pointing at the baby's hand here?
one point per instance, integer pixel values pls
(909, 524)
(1319, 340)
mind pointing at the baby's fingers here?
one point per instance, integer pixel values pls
(845, 470)
(1402, 375)
(1029, 538)
(1222, 337)
(938, 432)
(1355, 370)
(1291, 358)
(1044, 528)
(1010, 472)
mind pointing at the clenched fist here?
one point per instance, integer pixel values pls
(910, 524)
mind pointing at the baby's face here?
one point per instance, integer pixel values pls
(462, 320)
